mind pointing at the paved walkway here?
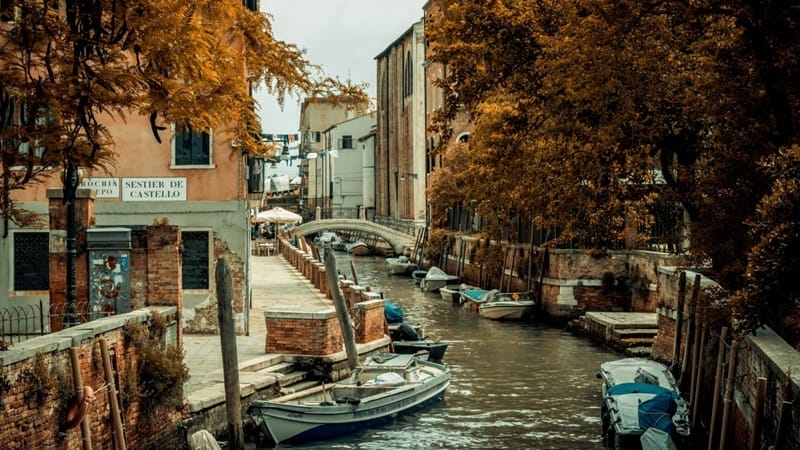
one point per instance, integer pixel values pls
(275, 285)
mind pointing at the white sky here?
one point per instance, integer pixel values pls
(343, 36)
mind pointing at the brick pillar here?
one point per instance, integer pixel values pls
(164, 272)
(84, 216)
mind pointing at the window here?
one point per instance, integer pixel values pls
(316, 136)
(19, 119)
(347, 142)
(255, 179)
(252, 5)
(191, 148)
(408, 73)
(194, 259)
(31, 261)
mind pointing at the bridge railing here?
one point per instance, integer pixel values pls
(408, 227)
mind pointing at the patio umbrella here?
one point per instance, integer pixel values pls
(278, 215)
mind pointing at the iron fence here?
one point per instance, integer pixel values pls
(22, 322)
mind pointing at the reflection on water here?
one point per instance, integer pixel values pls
(514, 385)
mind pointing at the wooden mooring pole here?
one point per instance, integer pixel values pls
(676, 346)
(728, 400)
(341, 309)
(758, 413)
(230, 357)
(717, 386)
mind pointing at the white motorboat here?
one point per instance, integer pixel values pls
(507, 305)
(384, 386)
(436, 278)
(400, 265)
(638, 394)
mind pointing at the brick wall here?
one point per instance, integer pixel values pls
(765, 355)
(27, 422)
(371, 318)
(303, 333)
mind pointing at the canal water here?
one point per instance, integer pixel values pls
(514, 385)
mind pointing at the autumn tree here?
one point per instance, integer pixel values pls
(68, 68)
(593, 111)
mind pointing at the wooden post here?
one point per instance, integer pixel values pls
(341, 310)
(783, 422)
(230, 358)
(690, 359)
(717, 386)
(116, 419)
(530, 260)
(353, 269)
(76, 377)
(698, 375)
(758, 412)
(676, 345)
(511, 269)
(728, 400)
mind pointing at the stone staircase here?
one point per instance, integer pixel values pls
(631, 334)
(288, 377)
(634, 341)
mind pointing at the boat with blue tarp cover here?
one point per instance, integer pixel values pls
(639, 394)
(384, 386)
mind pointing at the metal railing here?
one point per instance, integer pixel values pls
(19, 323)
(22, 322)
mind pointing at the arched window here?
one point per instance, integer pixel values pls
(408, 72)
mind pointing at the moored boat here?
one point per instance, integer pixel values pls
(407, 340)
(452, 292)
(400, 265)
(435, 279)
(473, 297)
(383, 387)
(507, 305)
(359, 248)
(418, 275)
(638, 394)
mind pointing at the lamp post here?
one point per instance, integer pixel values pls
(71, 182)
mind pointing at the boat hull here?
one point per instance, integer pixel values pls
(326, 412)
(436, 350)
(510, 310)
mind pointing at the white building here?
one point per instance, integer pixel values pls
(350, 150)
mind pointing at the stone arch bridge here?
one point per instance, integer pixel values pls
(397, 239)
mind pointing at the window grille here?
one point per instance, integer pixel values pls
(31, 261)
(195, 259)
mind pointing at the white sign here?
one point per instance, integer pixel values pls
(153, 189)
(103, 187)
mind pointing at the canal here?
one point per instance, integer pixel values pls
(514, 385)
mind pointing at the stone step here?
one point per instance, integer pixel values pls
(279, 368)
(626, 333)
(266, 361)
(300, 386)
(638, 351)
(291, 378)
(636, 342)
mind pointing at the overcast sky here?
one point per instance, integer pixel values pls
(343, 36)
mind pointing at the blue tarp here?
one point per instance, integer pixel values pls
(657, 413)
(641, 388)
(393, 312)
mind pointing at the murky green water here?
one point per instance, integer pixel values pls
(514, 385)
